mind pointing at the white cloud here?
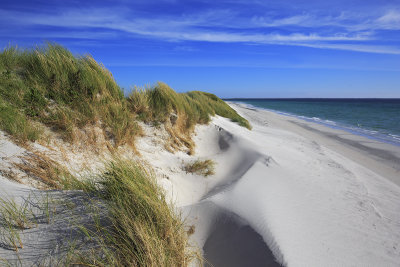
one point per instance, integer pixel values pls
(349, 21)
(390, 20)
(358, 48)
(185, 28)
(392, 16)
(201, 27)
(298, 20)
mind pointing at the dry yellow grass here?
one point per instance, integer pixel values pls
(179, 112)
(42, 168)
(201, 167)
(144, 230)
(65, 92)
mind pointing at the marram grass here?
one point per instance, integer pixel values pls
(146, 229)
(51, 85)
(162, 104)
(130, 222)
(142, 229)
(201, 167)
(65, 92)
(157, 103)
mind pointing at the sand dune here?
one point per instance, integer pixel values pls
(289, 193)
(313, 198)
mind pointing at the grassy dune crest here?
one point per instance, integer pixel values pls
(65, 92)
(49, 88)
(157, 103)
(161, 104)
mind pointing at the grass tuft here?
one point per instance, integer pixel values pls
(15, 215)
(17, 125)
(201, 167)
(42, 169)
(14, 218)
(216, 106)
(51, 85)
(142, 230)
(146, 230)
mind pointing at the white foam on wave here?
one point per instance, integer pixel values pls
(397, 137)
(330, 122)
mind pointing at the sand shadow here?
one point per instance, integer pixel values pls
(235, 244)
(58, 229)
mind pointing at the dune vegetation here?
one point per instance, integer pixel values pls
(129, 221)
(142, 229)
(50, 89)
(52, 86)
(62, 91)
(201, 167)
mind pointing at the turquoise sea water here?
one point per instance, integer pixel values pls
(374, 118)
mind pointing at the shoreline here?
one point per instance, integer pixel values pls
(383, 138)
(381, 157)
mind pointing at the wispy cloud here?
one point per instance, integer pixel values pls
(390, 20)
(348, 32)
(350, 21)
(359, 48)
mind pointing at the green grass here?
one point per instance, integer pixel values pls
(147, 232)
(16, 124)
(130, 223)
(65, 92)
(51, 85)
(213, 105)
(201, 167)
(143, 229)
(14, 218)
(156, 104)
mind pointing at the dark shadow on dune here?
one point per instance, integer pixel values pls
(235, 244)
(224, 139)
(246, 160)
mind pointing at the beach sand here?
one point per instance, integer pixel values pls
(288, 192)
(317, 196)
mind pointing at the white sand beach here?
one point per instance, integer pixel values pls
(170, 133)
(316, 196)
(288, 192)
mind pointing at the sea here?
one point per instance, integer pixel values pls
(377, 119)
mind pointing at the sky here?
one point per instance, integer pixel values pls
(242, 48)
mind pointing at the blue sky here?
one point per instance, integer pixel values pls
(243, 48)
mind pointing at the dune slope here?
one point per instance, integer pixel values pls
(313, 205)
